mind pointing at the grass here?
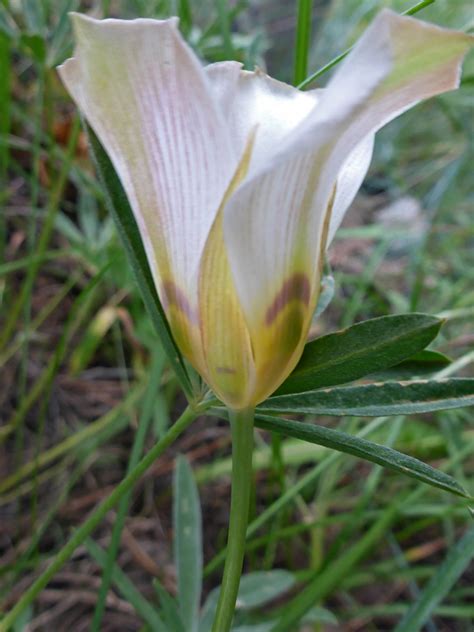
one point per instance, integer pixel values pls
(84, 378)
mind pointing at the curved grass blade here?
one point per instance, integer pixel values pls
(336, 60)
(322, 584)
(352, 353)
(142, 606)
(128, 230)
(363, 449)
(122, 511)
(169, 609)
(378, 399)
(457, 560)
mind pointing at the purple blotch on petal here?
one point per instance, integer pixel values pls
(174, 296)
(295, 288)
(225, 370)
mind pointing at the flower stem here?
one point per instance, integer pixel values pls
(96, 517)
(242, 448)
(302, 43)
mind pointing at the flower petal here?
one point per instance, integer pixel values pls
(226, 344)
(275, 224)
(349, 180)
(147, 98)
(253, 99)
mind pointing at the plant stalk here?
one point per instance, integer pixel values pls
(242, 448)
(302, 43)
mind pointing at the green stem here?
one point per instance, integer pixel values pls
(305, 82)
(224, 21)
(97, 516)
(302, 43)
(242, 448)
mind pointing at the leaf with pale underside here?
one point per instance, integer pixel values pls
(343, 442)
(187, 521)
(380, 398)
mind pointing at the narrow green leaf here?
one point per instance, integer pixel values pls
(302, 43)
(324, 583)
(423, 363)
(34, 15)
(225, 27)
(169, 610)
(379, 398)
(35, 46)
(126, 587)
(357, 351)
(7, 24)
(185, 16)
(61, 36)
(292, 493)
(187, 543)
(128, 230)
(343, 442)
(6, 76)
(457, 560)
(336, 60)
(22, 623)
(122, 510)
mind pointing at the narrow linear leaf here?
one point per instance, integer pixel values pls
(154, 375)
(457, 560)
(343, 442)
(322, 584)
(360, 350)
(380, 398)
(169, 610)
(7, 24)
(128, 230)
(126, 587)
(336, 60)
(187, 543)
(185, 15)
(303, 40)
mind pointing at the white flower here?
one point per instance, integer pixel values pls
(238, 182)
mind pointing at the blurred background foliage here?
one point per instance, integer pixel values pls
(82, 369)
